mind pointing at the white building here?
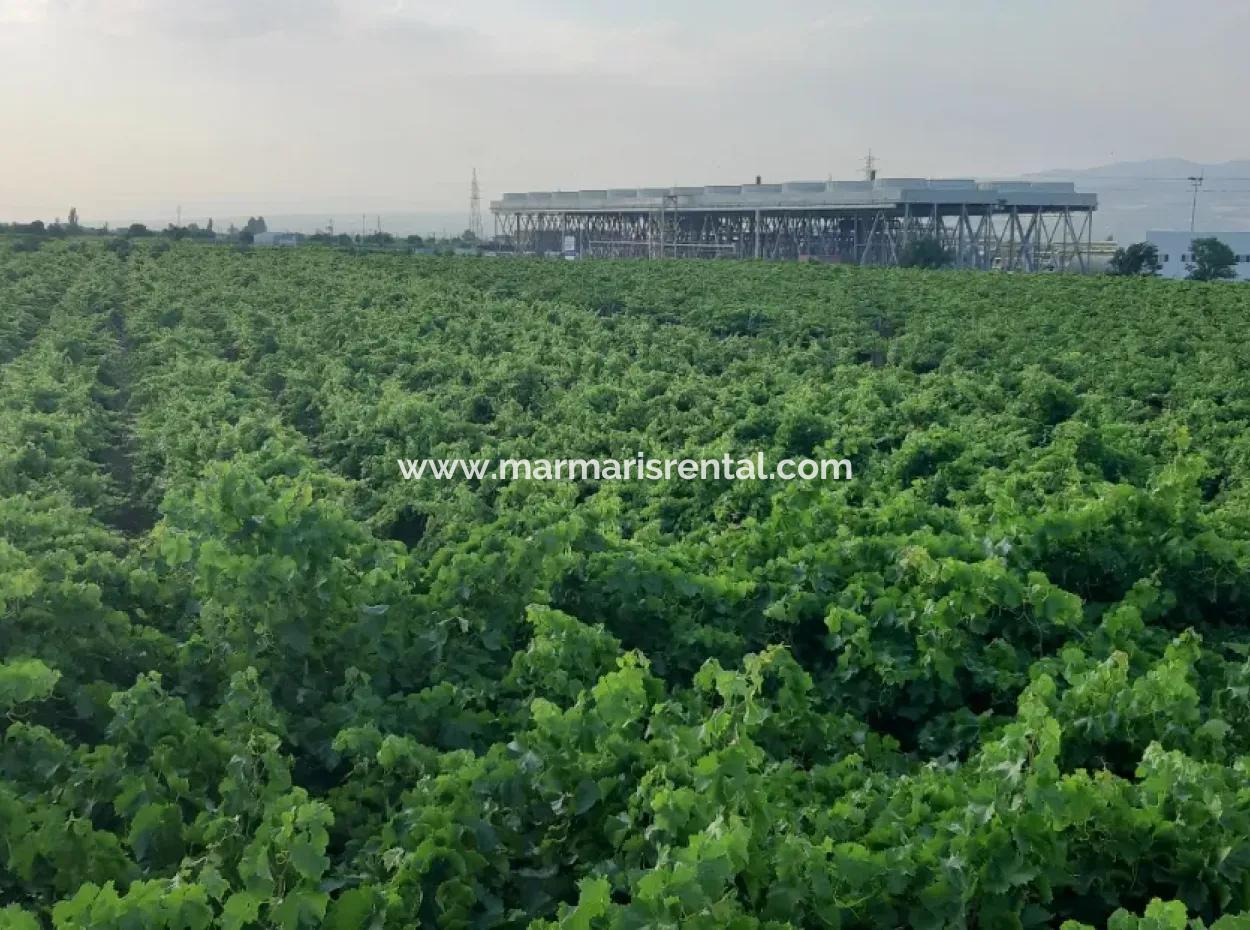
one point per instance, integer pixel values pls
(277, 238)
(1175, 253)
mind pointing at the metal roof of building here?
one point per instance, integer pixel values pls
(805, 195)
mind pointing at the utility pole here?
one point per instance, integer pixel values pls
(670, 201)
(870, 167)
(1196, 183)
(475, 208)
(655, 246)
(660, 229)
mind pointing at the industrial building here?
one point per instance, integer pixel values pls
(277, 238)
(1174, 250)
(1015, 225)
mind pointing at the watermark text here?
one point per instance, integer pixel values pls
(752, 467)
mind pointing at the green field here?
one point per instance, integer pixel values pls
(253, 678)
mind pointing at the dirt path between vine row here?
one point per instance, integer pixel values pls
(133, 516)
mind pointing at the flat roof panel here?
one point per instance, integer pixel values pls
(806, 195)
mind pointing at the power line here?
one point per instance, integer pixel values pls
(1205, 189)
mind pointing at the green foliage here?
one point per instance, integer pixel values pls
(1211, 260)
(23, 680)
(925, 252)
(251, 678)
(1140, 258)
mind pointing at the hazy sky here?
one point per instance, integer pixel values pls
(386, 104)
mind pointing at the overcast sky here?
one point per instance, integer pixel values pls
(387, 104)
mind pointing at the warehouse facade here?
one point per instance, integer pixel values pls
(1175, 250)
(1017, 225)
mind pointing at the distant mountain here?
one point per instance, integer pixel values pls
(1136, 196)
(1153, 168)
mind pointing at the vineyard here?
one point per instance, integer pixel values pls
(252, 678)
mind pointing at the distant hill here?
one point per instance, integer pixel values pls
(1134, 196)
(1154, 168)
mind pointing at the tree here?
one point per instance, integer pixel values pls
(925, 252)
(73, 219)
(1211, 260)
(136, 230)
(1140, 258)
